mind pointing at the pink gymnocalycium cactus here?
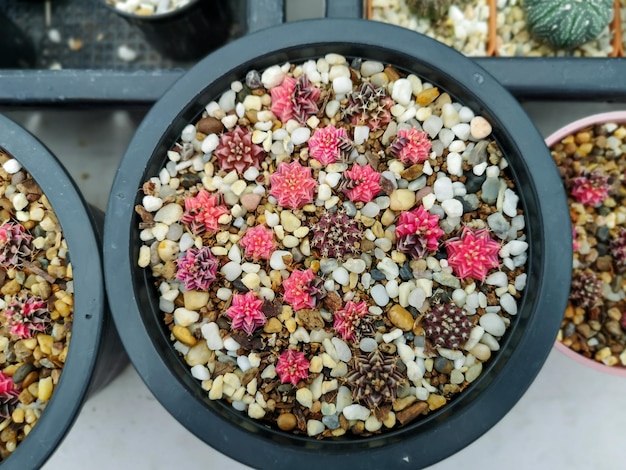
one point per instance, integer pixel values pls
(411, 146)
(292, 366)
(15, 244)
(292, 185)
(361, 183)
(418, 232)
(350, 319)
(590, 189)
(297, 290)
(295, 99)
(202, 212)
(197, 268)
(258, 242)
(327, 144)
(472, 254)
(246, 312)
(27, 315)
(237, 151)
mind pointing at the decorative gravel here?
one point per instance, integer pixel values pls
(36, 303)
(148, 7)
(592, 164)
(336, 245)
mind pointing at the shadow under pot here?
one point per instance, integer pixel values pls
(589, 155)
(179, 30)
(57, 341)
(347, 245)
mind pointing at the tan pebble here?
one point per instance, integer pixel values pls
(402, 403)
(34, 389)
(388, 218)
(143, 260)
(603, 354)
(289, 221)
(379, 79)
(390, 420)
(273, 325)
(183, 335)
(45, 389)
(198, 355)
(427, 96)
(291, 325)
(400, 317)
(12, 287)
(45, 343)
(378, 230)
(301, 232)
(435, 401)
(286, 421)
(18, 415)
(316, 365)
(195, 300)
(315, 266)
(217, 388)
(401, 200)
(481, 352)
(479, 127)
(167, 250)
(250, 201)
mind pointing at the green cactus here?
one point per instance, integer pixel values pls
(565, 24)
(432, 9)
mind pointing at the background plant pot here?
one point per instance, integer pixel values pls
(187, 33)
(554, 138)
(95, 353)
(135, 304)
(17, 48)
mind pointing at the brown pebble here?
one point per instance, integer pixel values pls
(603, 263)
(286, 421)
(400, 317)
(29, 379)
(210, 125)
(435, 401)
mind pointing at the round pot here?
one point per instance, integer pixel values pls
(95, 354)
(572, 128)
(186, 33)
(135, 304)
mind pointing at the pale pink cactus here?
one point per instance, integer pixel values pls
(590, 189)
(472, 254)
(236, 151)
(361, 183)
(197, 268)
(27, 315)
(292, 185)
(295, 99)
(292, 366)
(352, 322)
(246, 312)
(418, 232)
(327, 144)
(411, 146)
(258, 242)
(202, 212)
(297, 289)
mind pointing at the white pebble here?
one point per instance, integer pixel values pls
(466, 114)
(356, 412)
(341, 276)
(211, 333)
(443, 189)
(276, 260)
(509, 205)
(184, 317)
(169, 214)
(12, 166)
(272, 77)
(300, 135)
(370, 67)
(371, 209)
(452, 207)
(392, 288)
(227, 101)
(455, 164)
(493, 324)
(402, 91)
(392, 335)
(342, 85)
(200, 372)
(508, 303)
(406, 353)
(432, 126)
(417, 298)
(324, 192)
(388, 268)
(151, 203)
(368, 344)
(361, 134)
(125, 53)
(379, 295)
(231, 270)
(462, 131)
(498, 279)
(224, 293)
(19, 201)
(344, 353)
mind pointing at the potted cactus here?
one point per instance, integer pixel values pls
(296, 253)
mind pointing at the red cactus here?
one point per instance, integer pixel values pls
(361, 183)
(292, 185)
(258, 242)
(27, 315)
(246, 312)
(472, 254)
(197, 268)
(411, 146)
(418, 232)
(202, 212)
(295, 99)
(15, 244)
(327, 144)
(297, 291)
(292, 366)
(590, 189)
(351, 321)
(236, 151)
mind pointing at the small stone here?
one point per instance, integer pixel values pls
(250, 201)
(167, 250)
(370, 67)
(356, 412)
(400, 317)
(443, 365)
(401, 200)
(379, 295)
(341, 276)
(493, 324)
(367, 344)
(304, 397)
(169, 214)
(231, 270)
(452, 207)
(443, 189)
(473, 372)
(272, 77)
(185, 317)
(508, 303)
(12, 166)
(300, 135)
(402, 91)
(195, 300)
(183, 335)
(314, 427)
(435, 401)
(286, 421)
(479, 128)
(277, 260)
(342, 85)
(211, 333)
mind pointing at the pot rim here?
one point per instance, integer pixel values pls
(89, 299)
(297, 42)
(555, 137)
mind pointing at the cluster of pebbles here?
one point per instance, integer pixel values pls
(290, 285)
(466, 28)
(148, 7)
(594, 324)
(36, 303)
(514, 39)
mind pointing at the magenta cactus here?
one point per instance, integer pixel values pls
(361, 183)
(351, 321)
(9, 394)
(472, 254)
(447, 326)
(418, 232)
(292, 366)
(236, 151)
(369, 106)
(246, 312)
(411, 146)
(335, 235)
(16, 244)
(328, 144)
(197, 268)
(297, 289)
(292, 185)
(202, 212)
(258, 242)
(590, 189)
(27, 315)
(295, 99)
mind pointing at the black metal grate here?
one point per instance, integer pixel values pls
(99, 30)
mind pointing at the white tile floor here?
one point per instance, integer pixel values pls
(570, 418)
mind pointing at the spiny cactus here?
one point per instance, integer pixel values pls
(432, 9)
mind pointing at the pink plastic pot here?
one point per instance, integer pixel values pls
(554, 138)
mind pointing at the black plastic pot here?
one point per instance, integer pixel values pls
(187, 33)
(95, 354)
(134, 300)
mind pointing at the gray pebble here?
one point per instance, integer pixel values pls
(331, 422)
